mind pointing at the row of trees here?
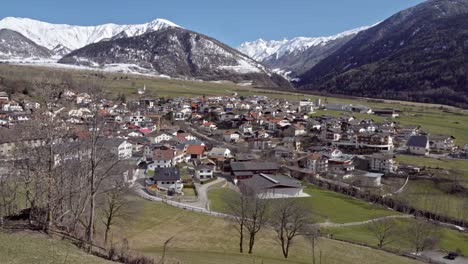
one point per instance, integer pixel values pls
(420, 234)
(57, 179)
(287, 217)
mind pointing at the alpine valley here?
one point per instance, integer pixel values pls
(418, 54)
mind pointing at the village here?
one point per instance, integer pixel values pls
(270, 146)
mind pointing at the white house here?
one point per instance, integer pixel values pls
(219, 152)
(161, 137)
(442, 142)
(162, 158)
(418, 145)
(168, 179)
(230, 136)
(12, 106)
(203, 172)
(245, 128)
(120, 147)
(381, 162)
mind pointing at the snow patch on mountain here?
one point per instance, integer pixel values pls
(243, 67)
(74, 37)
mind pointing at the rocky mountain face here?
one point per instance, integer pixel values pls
(14, 45)
(179, 53)
(419, 54)
(294, 57)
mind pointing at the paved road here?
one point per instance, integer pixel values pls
(202, 191)
(439, 256)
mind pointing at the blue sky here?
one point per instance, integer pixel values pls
(232, 22)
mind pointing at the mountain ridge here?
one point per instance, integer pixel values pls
(294, 56)
(178, 53)
(73, 37)
(418, 54)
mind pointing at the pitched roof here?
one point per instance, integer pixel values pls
(218, 151)
(417, 141)
(195, 149)
(167, 174)
(261, 182)
(254, 166)
(163, 154)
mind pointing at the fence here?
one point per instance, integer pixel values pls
(142, 192)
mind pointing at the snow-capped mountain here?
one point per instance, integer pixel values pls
(69, 37)
(13, 45)
(176, 52)
(298, 54)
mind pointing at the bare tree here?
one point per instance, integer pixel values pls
(312, 234)
(422, 234)
(289, 219)
(384, 231)
(237, 207)
(256, 217)
(8, 195)
(113, 208)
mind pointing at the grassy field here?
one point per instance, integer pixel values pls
(325, 205)
(189, 191)
(435, 197)
(29, 247)
(450, 240)
(199, 238)
(457, 166)
(338, 208)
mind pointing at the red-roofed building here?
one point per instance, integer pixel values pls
(145, 130)
(195, 151)
(163, 158)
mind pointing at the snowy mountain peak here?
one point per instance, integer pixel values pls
(74, 37)
(262, 49)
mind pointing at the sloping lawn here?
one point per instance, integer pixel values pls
(450, 240)
(339, 208)
(30, 247)
(200, 238)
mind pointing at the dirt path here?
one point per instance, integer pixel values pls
(330, 224)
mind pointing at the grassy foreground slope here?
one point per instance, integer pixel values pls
(29, 247)
(199, 238)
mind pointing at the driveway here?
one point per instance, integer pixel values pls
(439, 256)
(202, 191)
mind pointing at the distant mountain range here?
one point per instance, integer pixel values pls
(179, 53)
(71, 37)
(159, 47)
(294, 57)
(418, 54)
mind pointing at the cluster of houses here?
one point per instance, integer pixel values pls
(261, 144)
